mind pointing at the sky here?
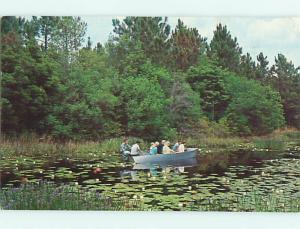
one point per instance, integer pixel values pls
(270, 35)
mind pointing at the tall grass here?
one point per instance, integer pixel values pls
(270, 143)
(215, 142)
(295, 135)
(253, 201)
(47, 196)
(34, 146)
(37, 147)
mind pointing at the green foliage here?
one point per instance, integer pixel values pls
(293, 135)
(47, 196)
(151, 32)
(254, 109)
(247, 67)
(225, 49)
(186, 45)
(207, 79)
(262, 67)
(28, 81)
(86, 107)
(285, 78)
(126, 55)
(10, 24)
(68, 34)
(145, 107)
(184, 108)
(145, 81)
(271, 143)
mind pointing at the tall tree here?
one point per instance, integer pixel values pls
(262, 67)
(186, 45)
(89, 44)
(68, 38)
(145, 107)
(47, 28)
(12, 24)
(28, 82)
(151, 32)
(285, 78)
(184, 107)
(70, 33)
(225, 49)
(207, 79)
(247, 67)
(253, 108)
(126, 56)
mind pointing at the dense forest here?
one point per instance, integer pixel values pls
(148, 80)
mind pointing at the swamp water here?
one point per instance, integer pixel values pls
(224, 180)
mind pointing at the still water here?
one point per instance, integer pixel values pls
(218, 175)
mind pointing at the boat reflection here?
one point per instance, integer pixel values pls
(153, 169)
(190, 162)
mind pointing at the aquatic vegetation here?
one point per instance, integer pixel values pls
(35, 147)
(47, 196)
(270, 143)
(252, 201)
(293, 135)
(216, 142)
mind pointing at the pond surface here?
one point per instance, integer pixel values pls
(219, 175)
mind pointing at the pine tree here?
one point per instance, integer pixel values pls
(285, 78)
(225, 49)
(151, 32)
(247, 67)
(47, 26)
(262, 67)
(186, 45)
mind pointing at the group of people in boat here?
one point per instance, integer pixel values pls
(162, 147)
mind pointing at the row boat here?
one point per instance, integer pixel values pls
(187, 157)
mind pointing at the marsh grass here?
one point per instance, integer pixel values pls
(294, 135)
(271, 143)
(250, 203)
(33, 146)
(275, 141)
(216, 142)
(47, 196)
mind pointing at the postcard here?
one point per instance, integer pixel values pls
(129, 113)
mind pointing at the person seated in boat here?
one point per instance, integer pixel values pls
(153, 148)
(135, 149)
(151, 145)
(125, 148)
(160, 147)
(181, 147)
(167, 149)
(176, 145)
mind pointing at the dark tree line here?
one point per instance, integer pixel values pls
(147, 81)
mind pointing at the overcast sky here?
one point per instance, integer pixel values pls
(271, 35)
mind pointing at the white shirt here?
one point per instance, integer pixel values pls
(181, 148)
(135, 149)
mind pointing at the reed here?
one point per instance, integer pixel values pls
(47, 196)
(270, 143)
(216, 142)
(35, 147)
(250, 202)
